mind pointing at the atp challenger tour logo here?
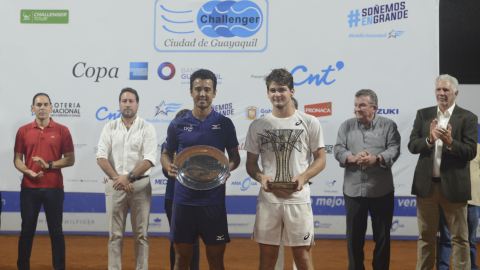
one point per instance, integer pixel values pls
(44, 16)
(214, 26)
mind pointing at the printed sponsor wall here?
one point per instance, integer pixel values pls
(85, 213)
(83, 54)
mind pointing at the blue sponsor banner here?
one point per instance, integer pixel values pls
(331, 205)
(76, 203)
(239, 205)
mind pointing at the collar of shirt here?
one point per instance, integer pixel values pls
(50, 125)
(447, 113)
(210, 115)
(133, 123)
(372, 124)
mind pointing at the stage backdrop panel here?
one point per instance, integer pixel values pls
(83, 53)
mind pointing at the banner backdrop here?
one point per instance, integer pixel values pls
(83, 53)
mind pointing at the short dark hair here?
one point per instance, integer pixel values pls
(295, 102)
(368, 93)
(40, 94)
(203, 74)
(131, 90)
(181, 112)
(281, 77)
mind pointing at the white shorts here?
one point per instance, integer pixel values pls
(292, 221)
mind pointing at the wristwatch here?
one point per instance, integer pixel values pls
(131, 176)
(50, 164)
(378, 160)
(429, 142)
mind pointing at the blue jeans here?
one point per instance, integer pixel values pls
(444, 244)
(31, 199)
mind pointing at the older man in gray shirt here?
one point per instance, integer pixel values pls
(367, 146)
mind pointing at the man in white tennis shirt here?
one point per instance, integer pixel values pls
(284, 209)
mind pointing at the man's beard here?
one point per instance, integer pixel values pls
(130, 115)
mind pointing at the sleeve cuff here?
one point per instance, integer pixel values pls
(428, 144)
(388, 160)
(449, 148)
(102, 156)
(383, 165)
(343, 158)
(151, 159)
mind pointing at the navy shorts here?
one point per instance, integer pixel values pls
(210, 222)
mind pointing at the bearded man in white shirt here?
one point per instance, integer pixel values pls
(126, 152)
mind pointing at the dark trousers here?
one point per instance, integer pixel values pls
(196, 247)
(381, 212)
(31, 199)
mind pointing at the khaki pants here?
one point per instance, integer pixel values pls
(428, 215)
(117, 203)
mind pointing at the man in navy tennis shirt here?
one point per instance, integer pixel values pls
(200, 212)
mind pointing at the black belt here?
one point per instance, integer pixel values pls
(436, 179)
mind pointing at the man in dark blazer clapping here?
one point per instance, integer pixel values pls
(445, 136)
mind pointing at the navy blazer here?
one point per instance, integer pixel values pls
(455, 166)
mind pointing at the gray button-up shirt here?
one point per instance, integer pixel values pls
(381, 138)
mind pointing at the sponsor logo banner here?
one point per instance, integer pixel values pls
(64, 109)
(378, 14)
(80, 70)
(387, 111)
(319, 109)
(163, 181)
(79, 145)
(316, 78)
(224, 109)
(103, 114)
(83, 180)
(212, 26)
(186, 72)
(245, 184)
(138, 70)
(252, 112)
(161, 72)
(157, 222)
(44, 16)
(241, 146)
(391, 34)
(330, 186)
(165, 110)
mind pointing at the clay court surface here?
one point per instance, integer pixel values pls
(90, 252)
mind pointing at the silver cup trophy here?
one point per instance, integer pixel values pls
(283, 142)
(202, 167)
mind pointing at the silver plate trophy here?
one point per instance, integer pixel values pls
(283, 142)
(202, 167)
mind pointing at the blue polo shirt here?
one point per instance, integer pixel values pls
(186, 131)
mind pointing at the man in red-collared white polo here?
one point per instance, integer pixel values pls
(42, 148)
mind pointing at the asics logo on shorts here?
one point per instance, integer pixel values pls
(306, 236)
(220, 238)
